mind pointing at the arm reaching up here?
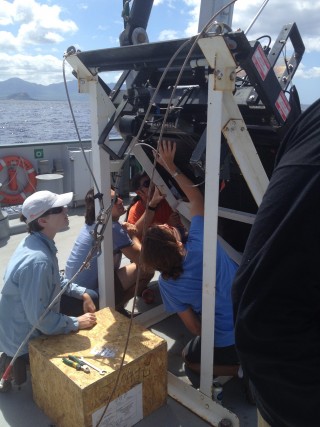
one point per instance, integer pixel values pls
(167, 152)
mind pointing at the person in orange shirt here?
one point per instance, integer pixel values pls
(158, 210)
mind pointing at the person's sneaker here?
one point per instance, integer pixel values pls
(6, 385)
(193, 377)
(19, 371)
(148, 296)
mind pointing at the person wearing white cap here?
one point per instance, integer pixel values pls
(32, 279)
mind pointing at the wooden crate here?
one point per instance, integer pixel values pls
(74, 398)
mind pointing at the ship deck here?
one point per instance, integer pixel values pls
(19, 410)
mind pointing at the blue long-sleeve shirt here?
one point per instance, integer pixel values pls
(31, 281)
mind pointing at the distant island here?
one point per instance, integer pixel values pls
(20, 90)
(20, 96)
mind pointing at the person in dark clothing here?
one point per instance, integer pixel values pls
(276, 291)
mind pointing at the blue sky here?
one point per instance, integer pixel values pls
(34, 34)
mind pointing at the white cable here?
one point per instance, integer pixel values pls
(264, 4)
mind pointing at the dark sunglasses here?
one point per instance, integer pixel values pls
(145, 184)
(53, 211)
(115, 199)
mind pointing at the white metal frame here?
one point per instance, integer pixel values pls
(223, 114)
(101, 110)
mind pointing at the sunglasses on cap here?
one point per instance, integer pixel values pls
(145, 184)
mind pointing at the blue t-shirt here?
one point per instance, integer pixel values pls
(89, 277)
(121, 240)
(186, 291)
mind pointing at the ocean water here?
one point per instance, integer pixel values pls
(40, 121)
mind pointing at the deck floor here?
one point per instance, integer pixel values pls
(172, 414)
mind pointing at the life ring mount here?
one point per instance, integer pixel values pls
(10, 192)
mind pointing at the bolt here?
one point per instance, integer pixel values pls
(219, 74)
(225, 422)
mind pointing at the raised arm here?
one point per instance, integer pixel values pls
(167, 152)
(146, 218)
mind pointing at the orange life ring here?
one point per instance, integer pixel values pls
(12, 163)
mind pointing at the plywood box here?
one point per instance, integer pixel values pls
(74, 398)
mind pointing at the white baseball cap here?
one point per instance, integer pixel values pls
(41, 201)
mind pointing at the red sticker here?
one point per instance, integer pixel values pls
(283, 106)
(261, 62)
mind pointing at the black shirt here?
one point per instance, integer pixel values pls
(276, 291)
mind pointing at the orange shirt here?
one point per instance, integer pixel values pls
(161, 215)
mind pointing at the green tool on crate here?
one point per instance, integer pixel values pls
(76, 363)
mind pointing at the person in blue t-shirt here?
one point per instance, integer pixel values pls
(124, 242)
(88, 277)
(180, 282)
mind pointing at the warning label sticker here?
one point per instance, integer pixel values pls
(261, 62)
(283, 106)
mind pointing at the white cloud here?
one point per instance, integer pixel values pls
(44, 69)
(6, 13)
(168, 35)
(310, 73)
(168, 3)
(273, 17)
(112, 41)
(83, 6)
(276, 14)
(312, 44)
(36, 24)
(8, 41)
(111, 76)
(31, 31)
(192, 25)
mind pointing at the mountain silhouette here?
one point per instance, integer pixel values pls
(19, 89)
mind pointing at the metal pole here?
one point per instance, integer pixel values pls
(210, 234)
(264, 4)
(209, 7)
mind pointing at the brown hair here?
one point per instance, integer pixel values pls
(136, 180)
(90, 215)
(160, 251)
(33, 226)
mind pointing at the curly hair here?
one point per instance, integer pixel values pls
(161, 251)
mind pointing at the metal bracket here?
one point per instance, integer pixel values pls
(221, 61)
